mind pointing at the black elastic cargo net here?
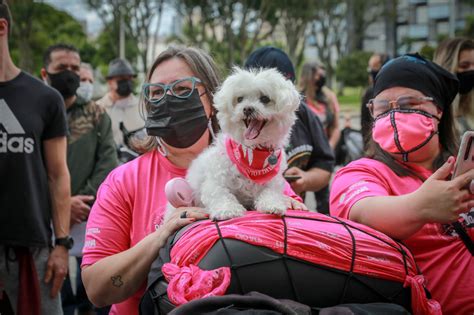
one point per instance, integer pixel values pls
(293, 276)
(350, 275)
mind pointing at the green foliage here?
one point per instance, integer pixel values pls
(469, 28)
(39, 25)
(352, 69)
(427, 51)
(107, 49)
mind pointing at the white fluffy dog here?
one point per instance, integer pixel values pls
(243, 168)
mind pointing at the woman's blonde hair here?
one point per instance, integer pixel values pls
(203, 67)
(447, 56)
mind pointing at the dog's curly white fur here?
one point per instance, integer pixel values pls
(268, 98)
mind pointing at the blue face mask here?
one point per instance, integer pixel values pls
(84, 92)
(179, 122)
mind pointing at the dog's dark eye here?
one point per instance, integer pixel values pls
(240, 99)
(264, 99)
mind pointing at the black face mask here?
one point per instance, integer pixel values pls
(124, 87)
(373, 74)
(179, 122)
(466, 81)
(66, 82)
(320, 83)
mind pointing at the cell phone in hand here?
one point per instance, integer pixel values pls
(465, 159)
(291, 178)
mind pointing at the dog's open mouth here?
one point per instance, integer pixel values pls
(254, 127)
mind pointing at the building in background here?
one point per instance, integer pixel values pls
(418, 23)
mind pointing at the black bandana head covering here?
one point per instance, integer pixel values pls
(415, 72)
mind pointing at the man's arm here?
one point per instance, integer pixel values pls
(59, 183)
(59, 186)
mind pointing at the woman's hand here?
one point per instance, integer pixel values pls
(182, 217)
(299, 185)
(442, 200)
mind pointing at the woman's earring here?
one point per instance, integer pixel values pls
(161, 147)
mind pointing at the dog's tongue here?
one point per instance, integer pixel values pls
(253, 129)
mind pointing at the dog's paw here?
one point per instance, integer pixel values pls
(227, 211)
(271, 205)
(294, 204)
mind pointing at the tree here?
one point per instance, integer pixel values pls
(352, 68)
(294, 16)
(37, 26)
(137, 17)
(427, 51)
(230, 29)
(360, 15)
(327, 31)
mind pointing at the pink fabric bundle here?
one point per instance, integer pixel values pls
(319, 239)
(190, 283)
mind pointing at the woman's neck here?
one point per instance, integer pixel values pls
(183, 157)
(181, 160)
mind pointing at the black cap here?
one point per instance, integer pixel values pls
(271, 57)
(118, 67)
(415, 72)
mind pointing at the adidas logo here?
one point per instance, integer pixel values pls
(11, 126)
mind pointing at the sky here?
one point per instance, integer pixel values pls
(79, 10)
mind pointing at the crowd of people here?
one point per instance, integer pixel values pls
(62, 175)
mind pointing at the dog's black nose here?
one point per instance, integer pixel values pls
(248, 111)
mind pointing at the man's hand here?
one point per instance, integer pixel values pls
(80, 208)
(56, 269)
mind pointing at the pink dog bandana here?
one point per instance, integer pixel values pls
(253, 163)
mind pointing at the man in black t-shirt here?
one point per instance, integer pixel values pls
(310, 157)
(34, 188)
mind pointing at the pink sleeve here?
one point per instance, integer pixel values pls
(289, 192)
(351, 184)
(109, 225)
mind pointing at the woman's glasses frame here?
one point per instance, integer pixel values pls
(169, 87)
(402, 102)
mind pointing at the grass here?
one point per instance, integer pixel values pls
(350, 98)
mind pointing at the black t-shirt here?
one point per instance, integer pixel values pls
(30, 112)
(309, 146)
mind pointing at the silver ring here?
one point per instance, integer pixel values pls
(184, 215)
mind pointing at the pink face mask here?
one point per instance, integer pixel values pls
(403, 131)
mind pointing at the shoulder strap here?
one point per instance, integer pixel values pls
(464, 237)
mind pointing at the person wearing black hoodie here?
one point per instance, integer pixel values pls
(310, 158)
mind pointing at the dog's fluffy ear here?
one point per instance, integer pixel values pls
(224, 97)
(286, 93)
(290, 95)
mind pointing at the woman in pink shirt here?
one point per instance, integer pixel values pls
(403, 187)
(125, 230)
(321, 100)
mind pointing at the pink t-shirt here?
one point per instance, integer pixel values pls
(441, 255)
(321, 110)
(130, 205)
